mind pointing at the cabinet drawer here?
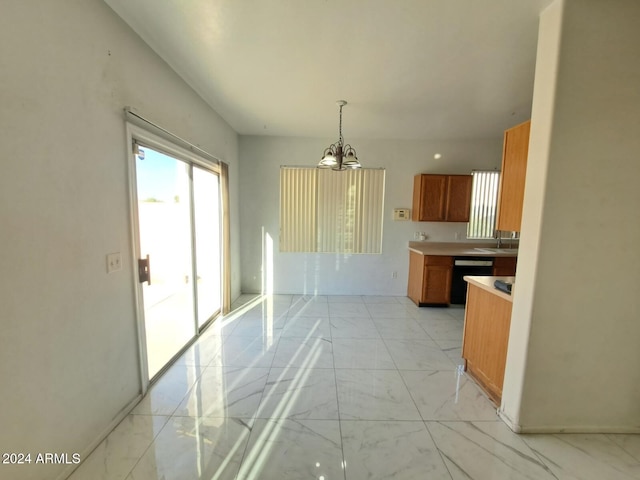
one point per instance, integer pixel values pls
(438, 260)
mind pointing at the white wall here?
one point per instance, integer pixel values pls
(261, 158)
(573, 353)
(68, 348)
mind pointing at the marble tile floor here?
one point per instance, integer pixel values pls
(336, 387)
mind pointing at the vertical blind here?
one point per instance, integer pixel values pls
(328, 211)
(484, 200)
(298, 219)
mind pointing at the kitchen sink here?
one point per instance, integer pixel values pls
(497, 250)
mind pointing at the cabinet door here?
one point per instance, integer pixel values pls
(485, 340)
(437, 285)
(458, 198)
(437, 280)
(504, 266)
(416, 277)
(512, 177)
(429, 198)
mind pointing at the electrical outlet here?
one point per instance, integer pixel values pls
(394, 274)
(114, 262)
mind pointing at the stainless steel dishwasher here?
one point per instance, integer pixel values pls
(467, 266)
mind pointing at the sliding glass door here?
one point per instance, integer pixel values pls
(206, 195)
(178, 212)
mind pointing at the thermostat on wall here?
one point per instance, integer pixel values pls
(401, 214)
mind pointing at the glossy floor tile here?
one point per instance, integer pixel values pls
(293, 449)
(418, 354)
(374, 395)
(116, 456)
(304, 352)
(587, 457)
(368, 353)
(387, 449)
(447, 395)
(166, 394)
(190, 447)
(488, 450)
(225, 392)
(307, 327)
(336, 387)
(301, 393)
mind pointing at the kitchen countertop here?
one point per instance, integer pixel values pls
(461, 249)
(486, 283)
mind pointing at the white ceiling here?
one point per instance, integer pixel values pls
(424, 69)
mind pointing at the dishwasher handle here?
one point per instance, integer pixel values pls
(472, 263)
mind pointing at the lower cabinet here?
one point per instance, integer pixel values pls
(504, 266)
(429, 279)
(486, 337)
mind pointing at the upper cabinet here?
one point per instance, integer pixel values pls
(441, 198)
(512, 178)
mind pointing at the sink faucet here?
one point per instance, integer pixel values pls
(498, 236)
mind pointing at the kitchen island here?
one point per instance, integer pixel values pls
(487, 321)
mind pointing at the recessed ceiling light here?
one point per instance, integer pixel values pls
(437, 156)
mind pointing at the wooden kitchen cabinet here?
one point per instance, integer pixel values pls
(441, 198)
(429, 279)
(485, 339)
(512, 177)
(504, 266)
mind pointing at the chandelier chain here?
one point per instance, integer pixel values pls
(340, 127)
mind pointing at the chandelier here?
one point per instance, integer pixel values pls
(339, 156)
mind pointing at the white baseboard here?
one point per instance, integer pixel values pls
(513, 425)
(550, 429)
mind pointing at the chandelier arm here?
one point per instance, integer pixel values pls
(348, 149)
